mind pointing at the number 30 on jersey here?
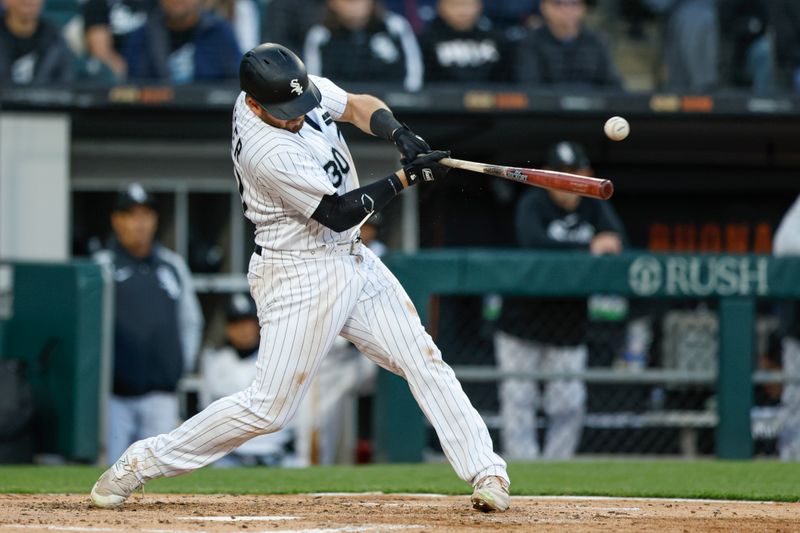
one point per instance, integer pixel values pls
(336, 168)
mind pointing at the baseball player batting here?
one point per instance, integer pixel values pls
(313, 280)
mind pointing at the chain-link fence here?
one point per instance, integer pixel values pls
(605, 375)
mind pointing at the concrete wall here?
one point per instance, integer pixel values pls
(34, 186)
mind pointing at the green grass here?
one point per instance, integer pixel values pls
(675, 479)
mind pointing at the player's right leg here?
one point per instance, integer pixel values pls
(301, 314)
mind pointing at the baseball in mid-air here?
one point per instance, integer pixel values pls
(617, 128)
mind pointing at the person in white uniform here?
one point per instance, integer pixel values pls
(787, 243)
(313, 280)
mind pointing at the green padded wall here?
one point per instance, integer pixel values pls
(56, 328)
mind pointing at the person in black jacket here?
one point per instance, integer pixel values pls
(460, 45)
(182, 43)
(563, 53)
(361, 42)
(158, 324)
(288, 21)
(548, 335)
(32, 50)
(106, 25)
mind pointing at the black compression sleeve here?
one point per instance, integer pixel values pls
(341, 213)
(382, 124)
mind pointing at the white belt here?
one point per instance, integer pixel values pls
(342, 248)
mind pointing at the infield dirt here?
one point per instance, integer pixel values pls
(161, 513)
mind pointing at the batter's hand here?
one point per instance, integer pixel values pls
(409, 144)
(426, 167)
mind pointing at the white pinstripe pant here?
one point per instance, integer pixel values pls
(304, 302)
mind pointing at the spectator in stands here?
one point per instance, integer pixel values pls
(691, 43)
(512, 13)
(244, 16)
(418, 13)
(107, 23)
(787, 243)
(461, 46)
(157, 324)
(563, 53)
(232, 368)
(32, 50)
(360, 42)
(745, 30)
(548, 335)
(182, 43)
(785, 18)
(287, 21)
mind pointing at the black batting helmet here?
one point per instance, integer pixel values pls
(277, 79)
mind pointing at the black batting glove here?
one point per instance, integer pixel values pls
(426, 167)
(409, 144)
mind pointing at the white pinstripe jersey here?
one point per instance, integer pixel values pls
(282, 176)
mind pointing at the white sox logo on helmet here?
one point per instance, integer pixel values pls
(296, 87)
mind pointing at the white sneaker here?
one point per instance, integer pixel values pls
(490, 494)
(116, 484)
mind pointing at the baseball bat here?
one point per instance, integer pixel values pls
(549, 179)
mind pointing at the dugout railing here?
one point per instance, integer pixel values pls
(735, 284)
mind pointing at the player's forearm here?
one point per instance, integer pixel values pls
(341, 213)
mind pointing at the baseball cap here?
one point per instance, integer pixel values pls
(134, 194)
(240, 306)
(567, 154)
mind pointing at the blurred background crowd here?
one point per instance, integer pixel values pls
(636, 45)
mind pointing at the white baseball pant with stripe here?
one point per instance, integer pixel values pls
(305, 299)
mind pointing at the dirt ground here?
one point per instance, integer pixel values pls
(331, 513)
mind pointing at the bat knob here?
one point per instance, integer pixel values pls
(606, 189)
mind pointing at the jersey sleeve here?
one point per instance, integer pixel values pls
(334, 98)
(298, 179)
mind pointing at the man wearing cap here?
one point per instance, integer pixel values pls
(548, 335)
(158, 324)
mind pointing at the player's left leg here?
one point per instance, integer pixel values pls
(564, 401)
(385, 327)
